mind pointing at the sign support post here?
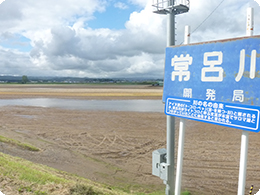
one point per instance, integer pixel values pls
(245, 134)
(243, 163)
(170, 119)
(164, 166)
(181, 135)
(170, 154)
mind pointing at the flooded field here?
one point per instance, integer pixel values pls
(102, 105)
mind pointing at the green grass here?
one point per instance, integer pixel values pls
(26, 171)
(186, 193)
(38, 179)
(30, 178)
(19, 144)
(162, 193)
(80, 189)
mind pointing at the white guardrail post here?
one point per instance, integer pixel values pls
(245, 134)
(181, 134)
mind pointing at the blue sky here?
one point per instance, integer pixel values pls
(114, 17)
(105, 38)
(17, 42)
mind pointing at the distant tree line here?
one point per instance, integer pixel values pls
(76, 80)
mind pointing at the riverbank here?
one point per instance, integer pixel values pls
(104, 146)
(107, 147)
(116, 147)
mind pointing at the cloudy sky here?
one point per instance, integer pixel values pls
(105, 38)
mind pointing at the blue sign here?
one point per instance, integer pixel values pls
(226, 114)
(225, 71)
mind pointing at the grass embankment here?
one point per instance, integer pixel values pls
(19, 176)
(18, 143)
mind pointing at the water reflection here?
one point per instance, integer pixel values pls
(108, 105)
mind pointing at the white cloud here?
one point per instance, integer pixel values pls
(228, 21)
(121, 5)
(64, 45)
(102, 51)
(44, 14)
(141, 3)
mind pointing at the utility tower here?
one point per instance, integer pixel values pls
(163, 160)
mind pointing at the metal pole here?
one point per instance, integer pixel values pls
(170, 119)
(170, 154)
(243, 163)
(245, 134)
(250, 22)
(181, 135)
(187, 35)
(171, 29)
(180, 157)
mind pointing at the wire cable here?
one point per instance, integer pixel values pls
(206, 18)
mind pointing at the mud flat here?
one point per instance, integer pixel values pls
(116, 147)
(84, 91)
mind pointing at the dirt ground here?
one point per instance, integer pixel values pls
(116, 147)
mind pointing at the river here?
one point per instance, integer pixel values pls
(106, 105)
